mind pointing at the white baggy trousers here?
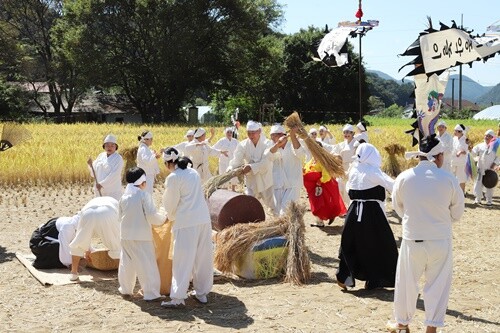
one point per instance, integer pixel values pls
(433, 259)
(138, 260)
(192, 257)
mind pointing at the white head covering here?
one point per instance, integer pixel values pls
(441, 123)
(460, 128)
(313, 130)
(275, 129)
(110, 138)
(228, 129)
(322, 128)
(361, 126)
(189, 132)
(199, 132)
(439, 148)
(169, 157)
(348, 127)
(366, 153)
(148, 135)
(253, 126)
(489, 132)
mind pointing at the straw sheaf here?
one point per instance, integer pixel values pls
(100, 260)
(234, 242)
(391, 165)
(332, 163)
(212, 184)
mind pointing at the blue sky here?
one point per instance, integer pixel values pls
(400, 23)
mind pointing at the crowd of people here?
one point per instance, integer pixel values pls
(275, 171)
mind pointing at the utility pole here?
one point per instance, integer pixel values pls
(452, 94)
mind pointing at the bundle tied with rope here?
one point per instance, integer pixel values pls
(332, 163)
(391, 165)
(234, 242)
(212, 184)
(130, 157)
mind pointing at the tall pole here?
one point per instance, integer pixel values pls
(452, 94)
(460, 74)
(360, 74)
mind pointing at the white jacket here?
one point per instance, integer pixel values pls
(108, 172)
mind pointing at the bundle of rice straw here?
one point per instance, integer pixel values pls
(130, 156)
(391, 164)
(234, 242)
(212, 184)
(332, 163)
(298, 264)
(100, 260)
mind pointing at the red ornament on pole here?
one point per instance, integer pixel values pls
(359, 13)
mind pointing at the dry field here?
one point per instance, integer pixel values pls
(248, 306)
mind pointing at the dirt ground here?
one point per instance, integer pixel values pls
(238, 305)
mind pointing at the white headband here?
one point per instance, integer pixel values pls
(439, 148)
(199, 132)
(348, 128)
(148, 135)
(460, 128)
(141, 180)
(361, 127)
(170, 157)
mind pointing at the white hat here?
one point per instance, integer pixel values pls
(361, 126)
(253, 126)
(313, 130)
(110, 138)
(189, 132)
(228, 129)
(348, 127)
(489, 132)
(441, 123)
(199, 132)
(460, 128)
(148, 135)
(322, 128)
(275, 129)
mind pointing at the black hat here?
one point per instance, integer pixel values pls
(490, 179)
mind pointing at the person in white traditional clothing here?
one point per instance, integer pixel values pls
(447, 141)
(227, 143)
(137, 214)
(108, 169)
(187, 208)
(50, 242)
(361, 133)
(288, 159)
(325, 136)
(459, 155)
(147, 159)
(487, 159)
(429, 200)
(254, 155)
(345, 150)
(368, 250)
(181, 146)
(100, 217)
(198, 152)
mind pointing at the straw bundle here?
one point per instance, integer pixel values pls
(212, 184)
(298, 265)
(332, 163)
(234, 242)
(101, 260)
(130, 157)
(391, 164)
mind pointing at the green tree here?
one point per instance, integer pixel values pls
(26, 27)
(162, 52)
(319, 93)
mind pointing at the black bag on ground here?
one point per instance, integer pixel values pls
(46, 250)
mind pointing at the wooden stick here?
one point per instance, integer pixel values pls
(93, 173)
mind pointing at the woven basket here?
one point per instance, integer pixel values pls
(101, 260)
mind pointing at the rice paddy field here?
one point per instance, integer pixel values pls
(57, 153)
(47, 177)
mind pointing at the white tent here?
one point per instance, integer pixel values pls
(493, 112)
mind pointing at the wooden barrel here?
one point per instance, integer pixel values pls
(228, 208)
